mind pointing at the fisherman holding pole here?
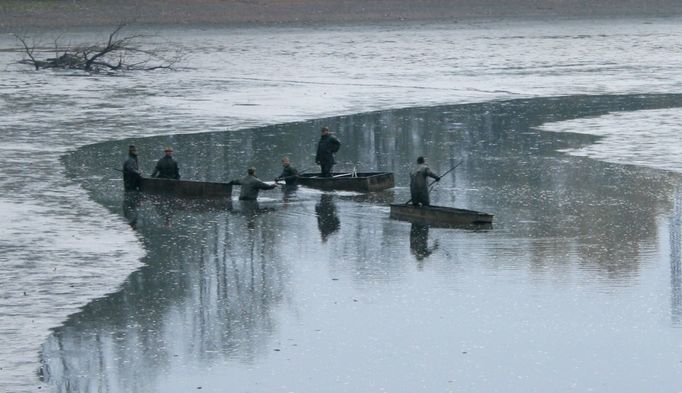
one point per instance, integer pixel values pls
(419, 189)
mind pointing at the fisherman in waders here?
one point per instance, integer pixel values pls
(132, 175)
(419, 188)
(167, 167)
(327, 147)
(251, 185)
(289, 174)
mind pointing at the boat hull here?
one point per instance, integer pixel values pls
(440, 216)
(363, 182)
(187, 188)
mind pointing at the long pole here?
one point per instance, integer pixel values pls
(434, 182)
(449, 170)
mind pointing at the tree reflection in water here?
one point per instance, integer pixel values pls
(212, 279)
(675, 229)
(208, 287)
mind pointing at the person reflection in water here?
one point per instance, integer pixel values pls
(131, 204)
(250, 209)
(251, 185)
(132, 175)
(327, 220)
(167, 167)
(419, 187)
(165, 206)
(419, 239)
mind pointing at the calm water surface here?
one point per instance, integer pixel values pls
(576, 288)
(572, 289)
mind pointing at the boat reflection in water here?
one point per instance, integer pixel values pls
(327, 219)
(165, 208)
(232, 297)
(139, 206)
(221, 265)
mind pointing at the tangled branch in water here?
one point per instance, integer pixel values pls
(118, 53)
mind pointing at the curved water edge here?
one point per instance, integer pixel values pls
(648, 139)
(229, 84)
(222, 282)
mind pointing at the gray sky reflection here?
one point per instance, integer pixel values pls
(323, 290)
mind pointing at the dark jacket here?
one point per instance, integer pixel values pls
(419, 188)
(326, 149)
(132, 177)
(166, 168)
(251, 185)
(289, 175)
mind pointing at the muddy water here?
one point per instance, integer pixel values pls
(577, 285)
(59, 248)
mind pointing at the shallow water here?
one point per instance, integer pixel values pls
(311, 289)
(564, 288)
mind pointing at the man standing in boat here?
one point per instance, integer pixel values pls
(326, 150)
(167, 167)
(289, 173)
(419, 188)
(251, 185)
(132, 175)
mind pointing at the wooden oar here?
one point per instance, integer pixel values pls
(435, 181)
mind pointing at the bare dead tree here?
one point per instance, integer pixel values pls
(28, 50)
(117, 53)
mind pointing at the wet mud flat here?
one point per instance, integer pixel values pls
(321, 289)
(71, 14)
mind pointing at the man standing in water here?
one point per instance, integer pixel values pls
(289, 173)
(251, 185)
(326, 149)
(419, 188)
(167, 167)
(132, 175)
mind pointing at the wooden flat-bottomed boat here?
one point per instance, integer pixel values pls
(187, 188)
(440, 216)
(359, 182)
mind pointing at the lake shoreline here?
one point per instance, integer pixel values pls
(16, 15)
(49, 280)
